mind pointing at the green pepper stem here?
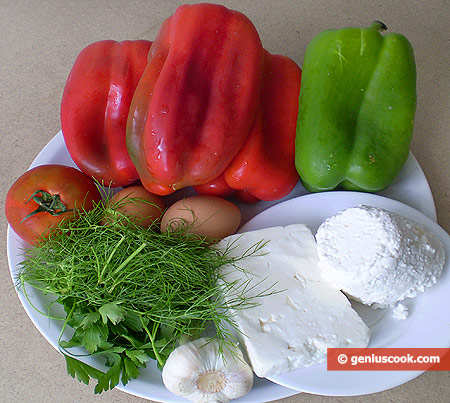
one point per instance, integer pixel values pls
(379, 26)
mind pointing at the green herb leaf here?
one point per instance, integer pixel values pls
(113, 312)
(130, 371)
(94, 336)
(167, 331)
(119, 329)
(83, 372)
(109, 380)
(106, 346)
(89, 320)
(133, 321)
(137, 356)
(112, 358)
(134, 342)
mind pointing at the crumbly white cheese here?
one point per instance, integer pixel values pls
(294, 327)
(378, 257)
(400, 312)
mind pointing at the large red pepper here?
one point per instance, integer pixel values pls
(95, 105)
(265, 165)
(197, 100)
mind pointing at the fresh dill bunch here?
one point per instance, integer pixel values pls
(132, 293)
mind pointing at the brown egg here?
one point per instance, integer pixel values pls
(208, 216)
(138, 203)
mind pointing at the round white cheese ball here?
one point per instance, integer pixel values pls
(378, 257)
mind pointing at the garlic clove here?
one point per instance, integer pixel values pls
(200, 373)
(239, 384)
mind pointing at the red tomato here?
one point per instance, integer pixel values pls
(53, 191)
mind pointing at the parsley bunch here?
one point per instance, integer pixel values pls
(131, 293)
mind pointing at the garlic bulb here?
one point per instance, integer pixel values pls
(200, 373)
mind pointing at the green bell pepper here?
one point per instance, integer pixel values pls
(356, 109)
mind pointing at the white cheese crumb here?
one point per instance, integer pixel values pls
(378, 257)
(400, 312)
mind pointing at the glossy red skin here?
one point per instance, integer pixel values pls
(196, 101)
(265, 165)
(218, 187)
(264, 168)
(73, 187)
(95, 105)
(244, 196)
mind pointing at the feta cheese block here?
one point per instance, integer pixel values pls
(304, 315)
(378, 257)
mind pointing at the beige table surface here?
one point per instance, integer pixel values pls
(39, 41)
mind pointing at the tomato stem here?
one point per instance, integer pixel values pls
(47, 203)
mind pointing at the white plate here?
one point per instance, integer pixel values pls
(410, 187)
(428, 323)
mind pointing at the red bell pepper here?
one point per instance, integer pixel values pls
(196, 102)
(218, 187)
(95, 105)
(265, 165)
